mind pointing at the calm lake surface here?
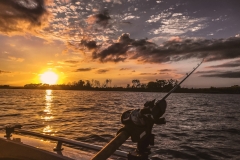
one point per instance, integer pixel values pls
(199, 126)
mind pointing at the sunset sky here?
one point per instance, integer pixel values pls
(120, 40)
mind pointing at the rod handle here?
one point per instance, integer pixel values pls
(112, 146)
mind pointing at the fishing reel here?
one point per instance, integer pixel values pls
(139, 123)
(150, 113)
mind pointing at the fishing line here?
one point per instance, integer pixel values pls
(174, 88)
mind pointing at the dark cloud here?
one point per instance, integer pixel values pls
(228, 64)
(116, 52)
(1, 72)
(123, 69)
(148, 74)
(227, 74)
(22, 16)
(89, 44)
(127, 22)
(71, 61)
(206, 72)
(101, 19)
(101, 71)
(145, 51)
(83, 69)
(166, 70)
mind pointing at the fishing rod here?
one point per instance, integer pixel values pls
(138, 124)
(174, 88)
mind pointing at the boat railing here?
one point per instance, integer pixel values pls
(59, 140)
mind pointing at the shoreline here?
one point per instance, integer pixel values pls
(227, 90)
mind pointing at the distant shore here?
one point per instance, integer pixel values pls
(211, 90)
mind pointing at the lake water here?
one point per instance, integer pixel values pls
(199, 126)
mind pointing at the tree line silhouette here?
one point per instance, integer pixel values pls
(135, 85)
(158, 85)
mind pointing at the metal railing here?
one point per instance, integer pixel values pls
(60, 141)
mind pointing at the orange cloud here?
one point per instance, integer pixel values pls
(16, 59)
(176, 38)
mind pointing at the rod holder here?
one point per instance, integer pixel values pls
(9, 129)
(58, 147)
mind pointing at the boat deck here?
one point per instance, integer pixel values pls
(22, 147)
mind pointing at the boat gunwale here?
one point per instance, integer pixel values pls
(70, 142)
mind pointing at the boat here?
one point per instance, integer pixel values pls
(19, 144)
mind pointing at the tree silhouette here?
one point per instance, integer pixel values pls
(152, 85)
(110, 81)
(143, 85)
(88, 84)
(135, 83)
(107, 81)
(80, 84)
(96, 83)
(161, 83)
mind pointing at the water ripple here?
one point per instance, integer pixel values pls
(199, 126)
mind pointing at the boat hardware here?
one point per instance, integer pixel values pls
(138, 124)
(9, 129)
(15, 129)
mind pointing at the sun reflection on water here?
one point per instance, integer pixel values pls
(47, 108)
(48, 111)
(47, 129)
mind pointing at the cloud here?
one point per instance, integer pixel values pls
(101, 71)
(166, 70)
(2, 72)
(89, 44)
(206, 72)
(79, 26)
(50, 63)
(118, 51)
(83, 69)
(18, 17)
(71, 61)
(176, 23)
(148, 52)
(124, 69)
(148, 74)
(226, 74)
(228, 64)
(101, 19)
(16, 59)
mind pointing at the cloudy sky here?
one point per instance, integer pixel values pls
(120, 40)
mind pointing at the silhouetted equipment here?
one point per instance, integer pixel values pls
(9, 129)
(138, 124)
(174, 88)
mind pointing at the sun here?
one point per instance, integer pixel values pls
(49, 77)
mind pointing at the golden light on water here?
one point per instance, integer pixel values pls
(47, 129)
(49, 77)
(48, 111)
(47, 108)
